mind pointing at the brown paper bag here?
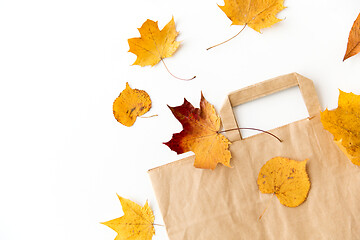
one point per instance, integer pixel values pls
(226, 203)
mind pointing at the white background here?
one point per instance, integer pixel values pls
(63, 156)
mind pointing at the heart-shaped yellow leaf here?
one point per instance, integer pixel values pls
(286, 178)
(130, 104)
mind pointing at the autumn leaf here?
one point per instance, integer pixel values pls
(154, 45)
(286, 178)
(344, 123)
(353, 46)
(200, 134)
(257, 14)
(130, 104)
(137, 222)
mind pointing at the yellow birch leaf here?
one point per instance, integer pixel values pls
(257, 14)
(344, 124)
(286, 178)
(154, 45)
(136, 224)
(130, 104)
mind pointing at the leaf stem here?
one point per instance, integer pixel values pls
(155, 115)
(262, 214)
(228, 39)
(183, 79)
(255, 129)
(158, 225)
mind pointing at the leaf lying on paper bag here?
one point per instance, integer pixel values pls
(353, 46)
(344, 123)
(286, 178)
(130, 104)
(200, 134)
(137, 222)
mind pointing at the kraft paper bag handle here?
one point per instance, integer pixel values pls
(265, 88)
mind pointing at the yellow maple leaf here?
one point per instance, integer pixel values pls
(286, 178)
(154, 45)
(257, 14)
(130, 104)
(136, 224)
(200, 134)
(344, 123)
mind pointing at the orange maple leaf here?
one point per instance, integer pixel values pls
(200, 134)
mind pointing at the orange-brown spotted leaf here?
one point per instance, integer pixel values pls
(200, 135)
(286, 178)
(137, 222)
(344, 124)
(154, 45)
(256, 14)
(353, 46)
(130, 104)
